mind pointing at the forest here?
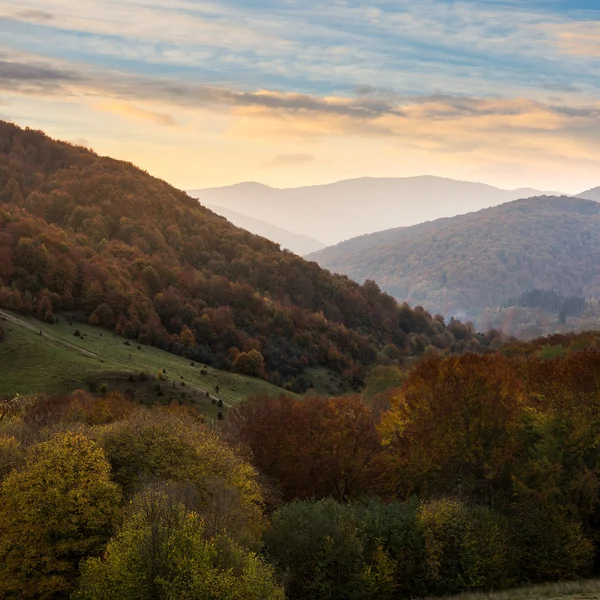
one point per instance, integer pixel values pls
(460, 473)
(465, 264)
(105, 243)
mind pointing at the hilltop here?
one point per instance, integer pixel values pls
(465, 264)
(345, 209)
(106, 243)
(593, 194)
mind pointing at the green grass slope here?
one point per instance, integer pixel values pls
(569, 590)
(58, 362)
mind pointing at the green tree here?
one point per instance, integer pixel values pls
(164, 446)
(163, 553)
(60, 508)
(317, 548)
(466, 547)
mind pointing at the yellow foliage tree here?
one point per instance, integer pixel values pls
(164, 446)
(188, 339)
(60, 508)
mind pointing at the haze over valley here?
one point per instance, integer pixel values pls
(336, 212)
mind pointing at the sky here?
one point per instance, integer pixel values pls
(301, 92)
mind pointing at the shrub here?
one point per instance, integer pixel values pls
(250, 363)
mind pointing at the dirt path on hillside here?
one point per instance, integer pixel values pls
(84, 352)
(16, 321)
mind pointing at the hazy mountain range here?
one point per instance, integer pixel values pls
(593, 194)
(346, 209)
(300, 244)
(465, 264)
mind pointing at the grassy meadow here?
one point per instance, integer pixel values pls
(56, 361)
(569, 590)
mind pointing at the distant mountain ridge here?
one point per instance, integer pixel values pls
(346, 209)
(593, 194)
(288, 240)
(465, 264)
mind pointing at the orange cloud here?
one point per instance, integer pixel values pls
(579, 38)
(129, 111)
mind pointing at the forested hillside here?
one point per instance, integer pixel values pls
(105, 242)
(466, 264)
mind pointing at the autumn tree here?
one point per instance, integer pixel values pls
(316, 447)
(166, 446)
(11, 454)
(60, 508)
(455, 427)
(187, 337)
(250, 363)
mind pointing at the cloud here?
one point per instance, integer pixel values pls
(26, 71)
(560, 87)
(458, 127)
(138, 114)
(580, 39)
(34, 15)
(35, 78)
(379, 113)
(469, 47)
(289, 160)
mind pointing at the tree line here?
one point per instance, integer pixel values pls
(551, 301)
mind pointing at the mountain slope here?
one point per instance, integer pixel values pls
(593, 194)
(108, 243)
(468, 263)
(57, 362)
(345, 209)
(300, 244)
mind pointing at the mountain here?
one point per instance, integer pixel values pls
(300, 244)
(346, 209)
(465, 264)
(593, 194)
(102, 241)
